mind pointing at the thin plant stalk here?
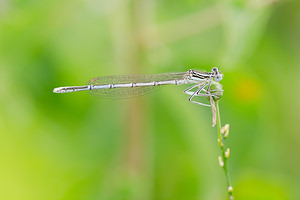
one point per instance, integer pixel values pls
(222, 135)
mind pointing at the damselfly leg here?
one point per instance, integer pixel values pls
(201, 92)
(197, 93)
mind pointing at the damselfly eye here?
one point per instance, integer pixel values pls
(215, 69)
(218, 77)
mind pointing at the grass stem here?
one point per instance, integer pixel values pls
(222, 135)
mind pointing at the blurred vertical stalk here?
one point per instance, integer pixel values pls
(126, 22)
(144, 12)
(222, 135)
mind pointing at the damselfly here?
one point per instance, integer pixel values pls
(123, 86)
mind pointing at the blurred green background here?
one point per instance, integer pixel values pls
(155, 147)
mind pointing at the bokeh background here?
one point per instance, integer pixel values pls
(156, 147)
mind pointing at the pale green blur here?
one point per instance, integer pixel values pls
(157, 147)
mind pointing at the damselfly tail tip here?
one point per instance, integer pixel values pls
(59, 90)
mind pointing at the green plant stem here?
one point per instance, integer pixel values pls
(221, 145)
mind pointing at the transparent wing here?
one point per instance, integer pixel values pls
(131, 91)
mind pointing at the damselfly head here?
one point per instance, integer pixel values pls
(218, 75)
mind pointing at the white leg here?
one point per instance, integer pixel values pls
(196, 93)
